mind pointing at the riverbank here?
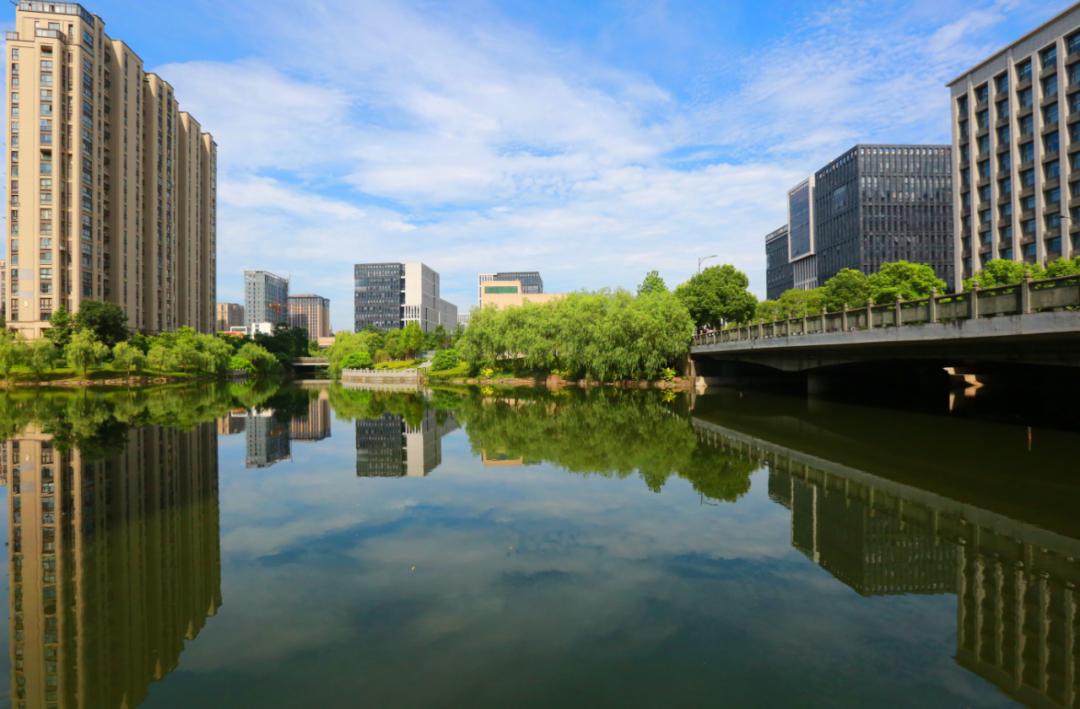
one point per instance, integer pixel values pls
(555, 383)
(104, 380)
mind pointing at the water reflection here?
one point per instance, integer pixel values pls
(1016, 581)
(114, 561)
(391, 447)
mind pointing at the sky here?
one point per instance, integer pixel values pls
(590, 140)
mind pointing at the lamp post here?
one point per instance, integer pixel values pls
(703, 259)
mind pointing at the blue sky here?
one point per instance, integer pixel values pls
(592, 141)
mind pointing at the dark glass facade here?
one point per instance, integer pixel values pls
(800, 229)
(531, 282)
(779, 275)
(881, 203)
(379, 295)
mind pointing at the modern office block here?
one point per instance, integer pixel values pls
(113, 189)
(311, 313)
(1016, 150)
(801, 235)
(391, 295)
(779, 275)
(877, 204)
(228, 315)
(390, 447)
(266, 300)
(531, 281)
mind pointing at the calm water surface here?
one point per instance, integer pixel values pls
(242, 547)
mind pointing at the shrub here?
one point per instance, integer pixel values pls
(128, 357)
(357, 360)
(668, 374)
(445, 359)
(240, 364)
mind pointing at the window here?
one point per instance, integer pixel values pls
(1074, 133)
(1002, 109)
(1027, 152)
(1072, 43)
(984, 144)
(1006, 186)
(1051, 142)
(962, 106)
(982, 118)
(1027, 125)
(1003, 134)
(1027, 179)
(1050, 114)
(1074, 74)
(1052, 170)
(1027, 204)
(1006, 211)
(1023, 70)
(1027, 227)
(1053, 196)
(984, 193)
(1050, 85)
(1074, 103)
(1001, 83)
(1053, 222)
(1005, 162)
(1024, 97)
(984, 168)
(981, 93)
(1048, 56)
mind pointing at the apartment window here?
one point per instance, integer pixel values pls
(1053, 222)
(45, 256)
(984, 144)
(982, 119)
(1027, 152)
(1072, 43)
(962, 106)
(1048, 56)
(1052, 170)
(981, 93)
(1074, 103)
(1027, 227)
(15, 54)
(1023, 70)
(1006, 186)
(1005, 162)
(1074, 74)
(1074, 133)
(1027, 125)
(1050, 85)
(1025, 98)
(1006, 211)
(1050, 114)
(1053, 196)
(1027, 204)
(1027, 179)
(1002, 109)
(1001, 83)
(984, 193)
(1006, 232)
(1051, 142)
(46, 65)
(984, 168)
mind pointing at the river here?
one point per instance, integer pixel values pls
(245, 546)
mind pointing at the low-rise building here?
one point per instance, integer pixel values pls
(511, 293)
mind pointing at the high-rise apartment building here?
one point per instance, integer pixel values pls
(311, 313)
(1015, 142)
(779, 274)
(266, 300)
(3, 288)
(872, 205)
(877, 204)
(113, 189)
(391, 295)
(228, 315)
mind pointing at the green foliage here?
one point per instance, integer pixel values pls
(264, 362)
(348, 343)
(85, 351)
(793, 303)
(602, 335)
(904, 280)
(107, 321)
(61, 328)
(393, 345)
(653, 283)
(128, 358)
(444, 360)
(412, 340)
(357, 360)
(287, 343)
(40, 356)
(718, 296)
(849, 287)
(398, 364)
(1002, 272)
(437, 339)
(240, 364)
(1063, 267)
(12, 353)
(668, 374)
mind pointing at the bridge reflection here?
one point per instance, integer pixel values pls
(1015, 580)
(114, 562)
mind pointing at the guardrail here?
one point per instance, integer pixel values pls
(1024, 298)
(381, 377)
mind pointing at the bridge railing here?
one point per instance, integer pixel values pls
(1027, 297)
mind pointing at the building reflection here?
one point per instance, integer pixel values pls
(267, 439)
(391, 447)
(1016, 583)
(315, 425)
(114, 563)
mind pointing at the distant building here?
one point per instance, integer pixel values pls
(1014, 158)
(510, 293)
(310, 313)
(228, 315)
(266, 300)
(3, 289)
(267, 440)
(530, 281)
(391, 295)
(388, 447)
(315, 425)
(873, 205)
(779, 275)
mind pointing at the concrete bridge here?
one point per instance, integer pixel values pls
(1034, 322)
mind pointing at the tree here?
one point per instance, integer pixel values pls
(393, 345)
(85, 351)
(160, 358)
(444, 360)
(904, 280)
(717, 296)
(357, 360)
(1063, 267)
(849, 287)
(412, 340)
(128, 357)
(61, 327)
(40, 356)
(1002, 272)
(107, 321)
(653, 283)
(12, 352)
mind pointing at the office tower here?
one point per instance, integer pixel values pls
(874, 204)
(779, 274)
(266, 438)
(391, 295)
(113, 189)
(315, 425)
(229, 315)
(1014, 159)
(266, 301)
(877, 204)
(310, 313)
(114, 563)
(390, 447)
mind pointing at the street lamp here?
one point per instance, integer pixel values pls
(703, 259)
